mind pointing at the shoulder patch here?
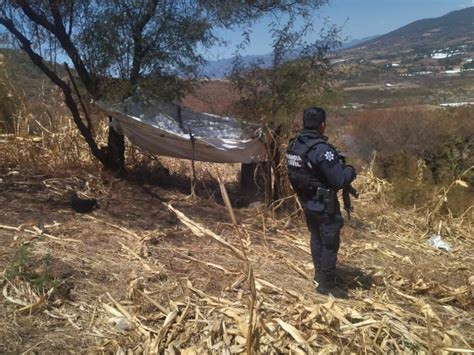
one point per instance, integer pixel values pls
(329, 156)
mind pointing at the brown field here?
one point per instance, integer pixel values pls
(156, 271)
(213, 96)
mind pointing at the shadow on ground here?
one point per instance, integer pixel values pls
(353, 277)
(207, 187)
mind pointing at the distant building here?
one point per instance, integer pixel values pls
(453, 71)
(457, 104)
(440, 55)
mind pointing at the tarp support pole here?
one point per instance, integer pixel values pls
(180, 117)
(193, 169)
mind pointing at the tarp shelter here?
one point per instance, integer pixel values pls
(171, 130)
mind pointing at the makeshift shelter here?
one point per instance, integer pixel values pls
(171, 130)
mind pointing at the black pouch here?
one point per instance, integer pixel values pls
(331, 202)
(315, 206)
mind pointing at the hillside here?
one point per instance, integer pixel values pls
(154, 271)
(25, 77)
(219, 69)
(454, 28)
(427, 62)
(163, 268)
(451, 30)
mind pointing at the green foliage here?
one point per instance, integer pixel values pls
(20, 262)
(26, 267)
(469, 65)
(274, 95)
(148, 43)
(145, 43)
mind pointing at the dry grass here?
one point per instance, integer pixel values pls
(145, 276)
(155, 271)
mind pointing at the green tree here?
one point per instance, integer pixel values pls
(300, 75)
(126, 43)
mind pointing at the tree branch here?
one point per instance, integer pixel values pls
(58, 30)
(138, 50)
(60, 33)
(69, 99)
(34, 16)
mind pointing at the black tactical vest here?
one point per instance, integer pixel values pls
(304, 178)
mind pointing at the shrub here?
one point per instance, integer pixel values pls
(440, 140)
(9, 103)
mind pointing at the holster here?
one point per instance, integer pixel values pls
(328, 197)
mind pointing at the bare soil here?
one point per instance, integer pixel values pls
(135, 254)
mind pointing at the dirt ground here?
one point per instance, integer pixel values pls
(135, 277)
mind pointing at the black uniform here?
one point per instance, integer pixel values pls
(316, 174)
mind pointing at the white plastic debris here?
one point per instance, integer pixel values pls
(437, 242)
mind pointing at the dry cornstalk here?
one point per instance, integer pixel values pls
(226, 198)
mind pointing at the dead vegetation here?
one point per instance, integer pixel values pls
(157, 271)
(153, 271)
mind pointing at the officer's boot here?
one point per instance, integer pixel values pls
(318, 279)
(328, 286)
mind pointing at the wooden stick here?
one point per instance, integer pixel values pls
(153, 302)
(226, 198)
(193, 168)
(16, 229)
(201, 231)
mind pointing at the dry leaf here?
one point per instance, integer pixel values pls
(462, 183)
(295, 334)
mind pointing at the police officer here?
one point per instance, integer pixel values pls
(316, 174)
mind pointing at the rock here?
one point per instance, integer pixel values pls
(121, 323)
(256, 204)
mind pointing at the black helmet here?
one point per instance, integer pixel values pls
(313, 117)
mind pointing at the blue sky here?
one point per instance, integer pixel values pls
(358, 18)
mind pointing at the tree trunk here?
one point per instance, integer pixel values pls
(115, 150)
(267, 167)
(38, 61)
(248, 183)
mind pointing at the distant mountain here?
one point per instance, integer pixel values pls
(218, 69)
(452, 29)
(355, 42)
(22, 73)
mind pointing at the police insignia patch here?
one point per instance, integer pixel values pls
(329, 156)
(294, 160)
